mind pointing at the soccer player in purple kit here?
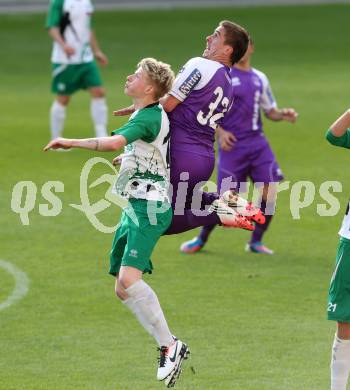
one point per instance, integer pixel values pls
(197, 103)
(243, 148)
(199, 99)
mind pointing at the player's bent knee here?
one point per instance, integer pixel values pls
(97, 92)
(343, 331)
(63, 99)
(124, 282)
(120, 292)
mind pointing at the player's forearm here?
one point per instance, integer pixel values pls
(94, 43)
(275, 114)
(282, 114)
(340, 126)
(55, 34)
(169, 102)
(103, 144)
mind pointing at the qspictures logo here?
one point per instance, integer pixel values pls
(302, 195)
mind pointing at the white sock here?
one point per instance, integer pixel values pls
(134, 309)
(99, 116)
(57, 118)
(340, 364)
(144, 303)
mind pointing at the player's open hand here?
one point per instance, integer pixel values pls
(226, 139)
(58, 143)
(124, 111)
(289, 115)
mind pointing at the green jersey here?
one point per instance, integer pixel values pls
(144, 171)
(344, 142)
(73, 18)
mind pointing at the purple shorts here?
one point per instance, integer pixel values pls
(191, 169)
(243, 162)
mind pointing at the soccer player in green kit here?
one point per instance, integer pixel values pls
(144, 180)
(75, 48)
(339, 290)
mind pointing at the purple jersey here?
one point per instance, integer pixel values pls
(252, 155)
(251, 92)
(205, 90)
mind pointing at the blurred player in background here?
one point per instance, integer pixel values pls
(244, 152)
(197, 103)
(143, 180)
(73, 66)
(339, 290)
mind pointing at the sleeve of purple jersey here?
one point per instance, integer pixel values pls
(186, 80)
(267, 100)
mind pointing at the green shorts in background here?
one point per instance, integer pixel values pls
(339, 291)
(67, 79)
(133, 242)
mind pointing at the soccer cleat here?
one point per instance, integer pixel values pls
(243, 207)
(170, 381)
(229, 217)
(170, 359)
(258, 247)
(192, 246)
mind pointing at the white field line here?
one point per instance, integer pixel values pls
(21, 284)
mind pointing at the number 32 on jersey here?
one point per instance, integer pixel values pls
(209, 118)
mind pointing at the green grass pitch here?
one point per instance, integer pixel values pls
(252, 322)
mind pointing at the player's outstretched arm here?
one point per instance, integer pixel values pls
(340, 126)
(339, 132)
(124, 111)
(169, 102)
(282, 114)
(102, 144)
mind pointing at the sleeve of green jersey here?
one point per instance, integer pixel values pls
(145, 125)
(55, 13)
(343, 141)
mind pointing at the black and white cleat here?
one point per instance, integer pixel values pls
(172, 378)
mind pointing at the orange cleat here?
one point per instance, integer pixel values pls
(230, 217)
(243, 207)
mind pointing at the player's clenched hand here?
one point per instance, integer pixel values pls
(69, 50)
(289, 115)
(117, 160)
(226, 139)
(124, 111)
(58, 143)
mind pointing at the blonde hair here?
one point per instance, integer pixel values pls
(160, 74)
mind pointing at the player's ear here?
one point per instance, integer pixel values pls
(149, 90)
(228, 50)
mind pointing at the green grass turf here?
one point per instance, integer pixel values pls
(252, 322)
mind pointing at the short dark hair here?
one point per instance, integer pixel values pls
(237, 37)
